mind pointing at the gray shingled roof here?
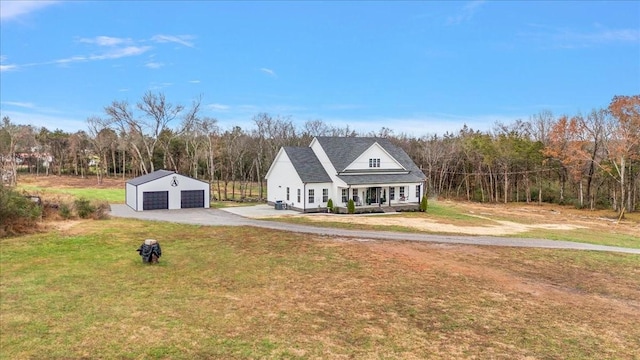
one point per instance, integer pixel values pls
(150, 177)
(342, 151)
(307, 165)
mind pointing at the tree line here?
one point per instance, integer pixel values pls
(589, 160)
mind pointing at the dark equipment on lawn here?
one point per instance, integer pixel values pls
(150, 251)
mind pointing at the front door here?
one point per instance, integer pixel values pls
(373, 195)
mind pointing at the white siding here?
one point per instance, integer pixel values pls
(375, 152)
(331, 171)
(130, 194)
(317, 197)
(281, 175)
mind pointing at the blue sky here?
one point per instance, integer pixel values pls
(414, 67)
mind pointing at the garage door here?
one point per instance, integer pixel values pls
(192, 199)
(152, 200)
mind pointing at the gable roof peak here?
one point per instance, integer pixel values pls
(342, 151)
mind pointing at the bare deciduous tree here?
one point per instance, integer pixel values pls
(156, 115)
(13, 134)
(103, 139)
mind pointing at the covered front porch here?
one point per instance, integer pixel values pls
(378, 208)
(378, 198)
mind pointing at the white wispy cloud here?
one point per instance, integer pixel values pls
(604, 36)
(159, 86)
(27, 105)
(106, 41)
(71, 59)
(121, 52)
(154, 65)
(466, 13)
(178, 39)
(4, 68)
(11, 10)
(114, 53)
(268, 71)
(218, 107)
(194, 81)
(567, 38)
(108, 48)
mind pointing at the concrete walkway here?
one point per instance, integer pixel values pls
(246, 216)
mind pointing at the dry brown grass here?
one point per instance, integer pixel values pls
(71, 182)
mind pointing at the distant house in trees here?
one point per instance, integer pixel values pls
(373, 172)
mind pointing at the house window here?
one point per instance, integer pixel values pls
(325, 195)
(374, 163)
(418, 191)
(287, 194)
(392, 193)
(311, 194)
(402, 193)
(298, 195)
(345, 194)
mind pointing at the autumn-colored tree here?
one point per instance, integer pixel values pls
(566, 146)
(623, 143)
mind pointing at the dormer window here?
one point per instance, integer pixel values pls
(374, 163)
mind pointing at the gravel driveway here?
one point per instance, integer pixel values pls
(232, 217)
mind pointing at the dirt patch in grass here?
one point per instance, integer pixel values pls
(496, 220)
(491, 227)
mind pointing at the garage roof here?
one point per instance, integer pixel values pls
(150, 177)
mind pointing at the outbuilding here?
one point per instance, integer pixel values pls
(165, 189)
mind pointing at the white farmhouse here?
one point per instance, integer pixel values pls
(165, 189)
(371, 171)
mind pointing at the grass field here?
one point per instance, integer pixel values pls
(81, 291)
(113, 196)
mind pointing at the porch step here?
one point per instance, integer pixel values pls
(388, 209)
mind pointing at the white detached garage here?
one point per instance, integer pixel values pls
(165, 189)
